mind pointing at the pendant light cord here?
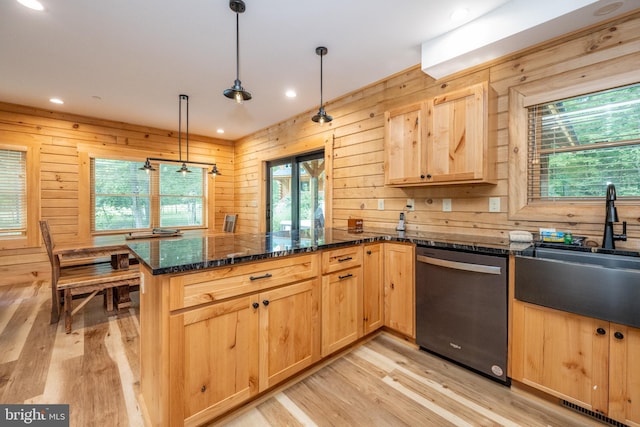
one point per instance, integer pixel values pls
(186, 98)
(237, 46)
(321, 103)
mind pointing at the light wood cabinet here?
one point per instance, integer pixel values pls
(399, 288)
(405, 154)
(582, 360)
(342, 319)
(210, 340)
(624, 374)
(448, 139)
(373, 287)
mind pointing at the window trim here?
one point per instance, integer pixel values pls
(16, 142)
(593, 78)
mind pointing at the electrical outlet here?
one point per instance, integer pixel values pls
(380, 204)
(411, 205)
(446, 205)
(494, 204)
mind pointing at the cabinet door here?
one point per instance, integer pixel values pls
(289, 331)
(457, 142)
(215, 360)
(404, 145)
(373, 278)
(399, 288)
(565, 355)
(624, 380)
(341, 309)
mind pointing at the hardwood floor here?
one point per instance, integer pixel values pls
(383, 382)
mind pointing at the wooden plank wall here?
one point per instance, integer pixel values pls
(355, 140)
(62, 193)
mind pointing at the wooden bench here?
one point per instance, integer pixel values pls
(85, 280)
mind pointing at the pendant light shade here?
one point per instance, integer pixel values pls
(236, 91)
(322, 116)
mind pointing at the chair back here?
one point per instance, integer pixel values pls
(48, 243)
(230, 223)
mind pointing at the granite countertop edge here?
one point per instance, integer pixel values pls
(478, 244)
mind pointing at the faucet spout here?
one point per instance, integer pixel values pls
(609, 238)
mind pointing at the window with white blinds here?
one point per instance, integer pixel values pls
(578, 145)
(13, 193)
(124, 197)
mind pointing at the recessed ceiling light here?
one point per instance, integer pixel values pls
(291, 93)
(609, 8)
(32, 4)
(56, 101)
(459, 14)
(220, 131)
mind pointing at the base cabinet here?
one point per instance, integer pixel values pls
(399, 288)
(582, 360)
(235, 349)
(341, 298)
(373, 287)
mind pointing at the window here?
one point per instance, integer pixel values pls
(13, 193)
(577, 145)
(19, 191)
(559, 170)
(295, 189)
(127, 198)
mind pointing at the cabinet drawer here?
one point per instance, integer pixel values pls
(230, 281)
(339, 259)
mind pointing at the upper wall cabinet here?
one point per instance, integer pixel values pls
(405, 154)
(448, 139)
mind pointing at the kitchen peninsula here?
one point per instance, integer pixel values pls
(227, 316)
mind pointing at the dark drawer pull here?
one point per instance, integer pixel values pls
(265, 276)
(346, 276)
(345, 259)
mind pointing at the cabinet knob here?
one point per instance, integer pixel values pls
(422, 176)
(393, 286)
(618, 335)
(203, 388)
(265, 302)
(601, 331)
(428, 176)
(255, 305)
(368, 252)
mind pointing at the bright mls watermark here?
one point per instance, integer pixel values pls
(34, 415)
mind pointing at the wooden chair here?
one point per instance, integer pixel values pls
(230, 223)
(82, 280)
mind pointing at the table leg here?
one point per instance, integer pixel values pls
(121, 296)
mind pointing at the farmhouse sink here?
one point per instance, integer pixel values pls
(601, 285)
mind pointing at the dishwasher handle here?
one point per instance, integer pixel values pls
(476, 268)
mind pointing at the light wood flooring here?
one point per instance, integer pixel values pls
(383, 382)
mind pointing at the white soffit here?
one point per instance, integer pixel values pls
(511, 27)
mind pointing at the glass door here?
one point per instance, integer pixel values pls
(295, 189)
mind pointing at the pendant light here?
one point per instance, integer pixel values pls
(322, 116)
(147, 167)
(236, 91)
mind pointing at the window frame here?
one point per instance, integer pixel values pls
(87, 152)
(593, 78)
(31, 238)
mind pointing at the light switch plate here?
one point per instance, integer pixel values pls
(494, 204)
(380, 204)
(446, 205)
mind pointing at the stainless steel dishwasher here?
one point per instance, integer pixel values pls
(461, 308)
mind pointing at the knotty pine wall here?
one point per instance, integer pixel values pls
(62, 193)
(354, 145)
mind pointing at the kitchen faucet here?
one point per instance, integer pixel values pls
(609, 238)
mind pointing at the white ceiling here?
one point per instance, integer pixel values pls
(128, 60)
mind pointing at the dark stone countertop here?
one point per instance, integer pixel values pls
(197, 250)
